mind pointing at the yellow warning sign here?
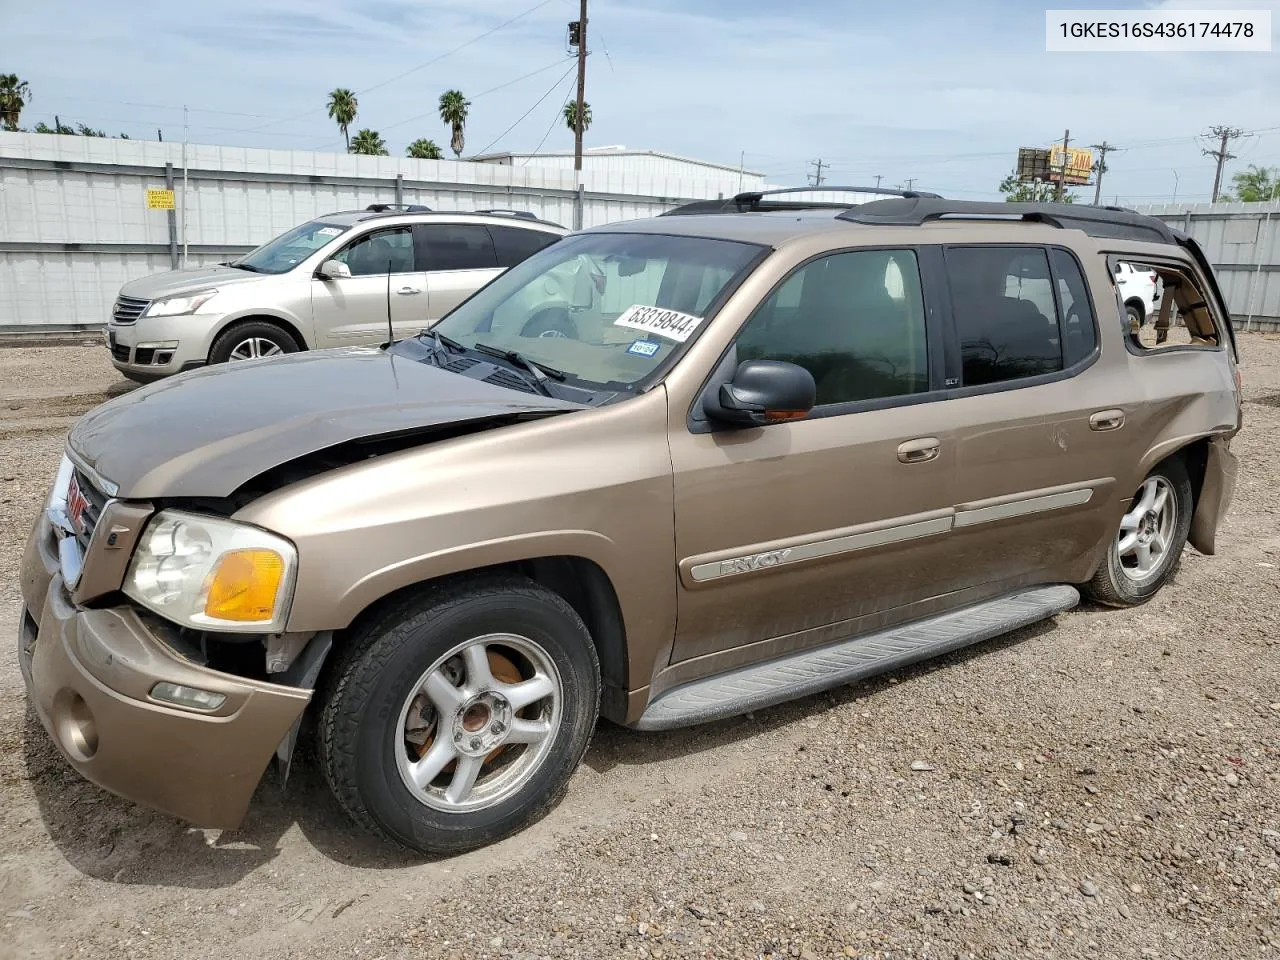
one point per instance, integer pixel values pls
(160, 200)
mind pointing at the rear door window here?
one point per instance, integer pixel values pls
(514, 244)
(1015, 316)
(456, 246)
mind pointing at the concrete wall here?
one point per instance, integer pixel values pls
(1242, 241)
(74, 224)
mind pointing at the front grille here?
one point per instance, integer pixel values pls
(128, 309)
(95, 501)
(120, 351)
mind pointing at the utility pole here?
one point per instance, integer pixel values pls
(1103, 149)
(878, 179)
(817, 178)
(1062, 176)
(911, 182)
(1225, 135)
(582, 89)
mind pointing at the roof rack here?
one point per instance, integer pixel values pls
(522, 214)
(397, 208)
(1113, 222)
(753, 201)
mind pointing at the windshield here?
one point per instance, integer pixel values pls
(605, 308)
(289, 249)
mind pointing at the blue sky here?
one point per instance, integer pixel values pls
(942, 92)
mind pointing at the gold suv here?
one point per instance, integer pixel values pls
(749, 451)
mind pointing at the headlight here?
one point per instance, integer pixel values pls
(213, 574)
(175, 306)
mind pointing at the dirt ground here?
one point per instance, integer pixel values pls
(1103, 785)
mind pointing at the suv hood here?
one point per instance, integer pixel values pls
(207, 432)
(172, 283)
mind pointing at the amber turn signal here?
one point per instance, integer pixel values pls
(244, 586)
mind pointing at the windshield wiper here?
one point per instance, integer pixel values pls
(244, 266)
(540, 373)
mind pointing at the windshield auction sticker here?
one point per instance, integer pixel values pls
(671, 324)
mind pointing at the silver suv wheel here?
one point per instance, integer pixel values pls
(479, 723)
(253, 347)
(1147, 529)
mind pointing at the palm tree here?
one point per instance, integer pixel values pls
(571, 115)
(453, 111)
(369, 142)
(424, 149)
(14, 95)
(342, 108)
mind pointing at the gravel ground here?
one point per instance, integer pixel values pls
(1103, 785)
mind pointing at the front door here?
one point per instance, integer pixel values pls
(385, 279)
(798, 533)
(459, 258)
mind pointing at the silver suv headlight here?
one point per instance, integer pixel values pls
(177, 306)
(213, 574)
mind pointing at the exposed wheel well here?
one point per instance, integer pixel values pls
(1195, 457)
(280, 322)
(587, 588)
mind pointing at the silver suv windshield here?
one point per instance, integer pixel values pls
(289, 249)
(605, 308)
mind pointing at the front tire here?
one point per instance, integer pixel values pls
(1145, 552)
(251, 340)
(456, 718)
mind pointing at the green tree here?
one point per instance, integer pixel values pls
(14, 95)
(79, 130)
(424, 149)
(1255, 185)
(369, 143)
(342, 109)
(1020, 191)
(571, 115)
(453, 112)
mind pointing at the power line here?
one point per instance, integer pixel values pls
(552, 90)
(501, 86)
(414, 69)
(554, 120)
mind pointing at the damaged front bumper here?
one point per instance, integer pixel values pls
(90, 674)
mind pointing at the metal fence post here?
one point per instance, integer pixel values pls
(399, 189)
(172, 216)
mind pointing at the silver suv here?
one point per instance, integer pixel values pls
(340, 280)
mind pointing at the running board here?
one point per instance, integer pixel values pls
(812, 671)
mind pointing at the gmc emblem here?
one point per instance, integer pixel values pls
(76, 506)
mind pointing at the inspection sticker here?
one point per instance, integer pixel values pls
(671, 324)
(329, 231)
(643, 348)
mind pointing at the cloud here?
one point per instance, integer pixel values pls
(943, 93)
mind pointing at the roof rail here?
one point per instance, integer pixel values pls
(754, 201)
(397, 208)
(1114, 222)
(504, 212)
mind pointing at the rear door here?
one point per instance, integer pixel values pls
(797, 533)
(385, 277)
(1040, 425)
(459, 259)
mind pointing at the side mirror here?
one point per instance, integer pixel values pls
(334, 270)
(763, 392)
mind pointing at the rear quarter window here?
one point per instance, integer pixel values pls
(515, 244)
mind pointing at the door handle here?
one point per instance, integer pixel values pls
(1107, 420)
(406, 291)
(918, 451)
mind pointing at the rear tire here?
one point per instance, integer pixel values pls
(1144, 554)
(428, 734)
(250, 340)
(1136, 316)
